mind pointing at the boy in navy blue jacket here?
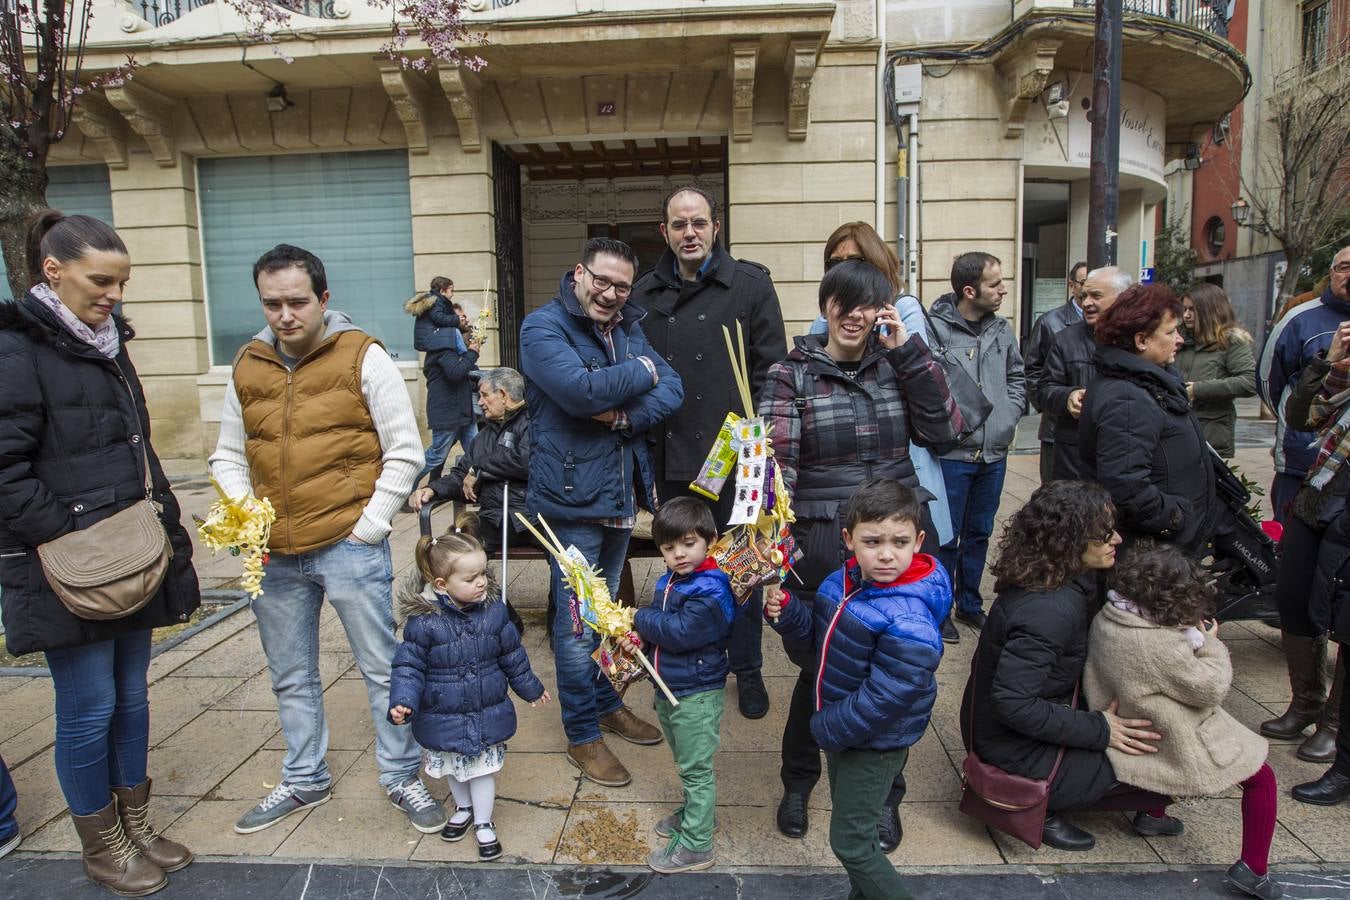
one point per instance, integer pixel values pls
(686, 627)
(876, 629)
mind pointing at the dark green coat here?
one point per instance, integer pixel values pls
(1220, 377)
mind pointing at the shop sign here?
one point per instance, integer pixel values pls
(1143, 124)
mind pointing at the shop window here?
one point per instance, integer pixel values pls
(1216, 233)
(75, 190)
(349, 209)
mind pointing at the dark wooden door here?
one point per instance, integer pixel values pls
(510, 247)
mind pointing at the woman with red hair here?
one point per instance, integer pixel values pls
(1139, 437)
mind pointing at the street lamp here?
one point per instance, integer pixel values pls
(1240, 211)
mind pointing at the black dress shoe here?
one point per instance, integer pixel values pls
(452, 832)
(751, 696)
(487, 849)
(1159, 826)
(889, 831)
(1330, 789)
(974, 619)
(1063, 836)
(792, 815)
(949, 633)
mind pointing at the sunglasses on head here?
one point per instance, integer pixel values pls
(836, 260)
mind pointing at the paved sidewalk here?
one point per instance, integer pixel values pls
(217, 749)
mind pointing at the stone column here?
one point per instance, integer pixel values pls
(785, 196)
(155, 210)
(453, 223)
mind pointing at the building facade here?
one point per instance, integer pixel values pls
(1288, 45)
(587, 113)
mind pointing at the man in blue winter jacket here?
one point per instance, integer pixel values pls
(595, 387)
(1303, 333)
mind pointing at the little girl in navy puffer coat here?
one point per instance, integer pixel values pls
(450, 676)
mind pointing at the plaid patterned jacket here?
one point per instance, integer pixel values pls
(831, 432)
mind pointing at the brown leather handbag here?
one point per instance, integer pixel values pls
(114, 567)
(1014, 804)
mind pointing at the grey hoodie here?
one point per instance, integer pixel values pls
(989, 355)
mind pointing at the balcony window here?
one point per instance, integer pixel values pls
(1316, 23)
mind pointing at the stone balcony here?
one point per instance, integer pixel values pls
(1176, 48)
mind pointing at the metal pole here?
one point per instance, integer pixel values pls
(902, 206)
(1104, 183)
(506, 494)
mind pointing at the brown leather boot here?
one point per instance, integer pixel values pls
(1303, 656)
(598, 763)
(111, 859)
(133, 805)
(1321, 746)
(629, 727)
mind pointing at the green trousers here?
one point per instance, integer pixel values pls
(859, 783)
(693, 731)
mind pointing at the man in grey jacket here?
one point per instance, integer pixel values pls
(967, 324)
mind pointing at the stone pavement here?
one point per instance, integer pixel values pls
(216, 750)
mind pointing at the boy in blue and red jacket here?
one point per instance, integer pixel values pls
(686, 627)
(876, 629)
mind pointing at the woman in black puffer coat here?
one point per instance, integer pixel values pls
(1138, 437)
(1018, 710)
(74, 437)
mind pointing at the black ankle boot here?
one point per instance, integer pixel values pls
(889, 831)
(1159, 826)
(1330, 789)
(1062, 835)
(792, 819)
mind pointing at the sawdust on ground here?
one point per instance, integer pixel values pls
(605, 838)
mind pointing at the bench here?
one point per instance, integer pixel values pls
(638, 548)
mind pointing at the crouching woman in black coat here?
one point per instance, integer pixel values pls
(1138, 437)
(1027, 667)
(74, 445)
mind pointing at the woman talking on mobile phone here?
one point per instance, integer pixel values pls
(842, 408)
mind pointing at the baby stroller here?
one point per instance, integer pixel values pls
(1245, 561)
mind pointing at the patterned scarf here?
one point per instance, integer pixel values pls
(104, 339)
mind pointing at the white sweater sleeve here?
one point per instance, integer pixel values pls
(229, 465)
(392, 412)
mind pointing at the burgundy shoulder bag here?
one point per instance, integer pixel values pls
(1014, 804)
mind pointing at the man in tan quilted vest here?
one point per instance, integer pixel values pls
(318, 421)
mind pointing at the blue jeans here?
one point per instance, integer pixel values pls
(9, 801)
(357, 579)
(584, 693)
(973, 493)
(442, 441)
(102, 718)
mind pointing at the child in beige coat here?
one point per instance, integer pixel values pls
(1154, 647)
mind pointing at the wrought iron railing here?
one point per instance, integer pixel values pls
(162, 12)
(1206, 15)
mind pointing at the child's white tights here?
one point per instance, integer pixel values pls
(479, 794)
